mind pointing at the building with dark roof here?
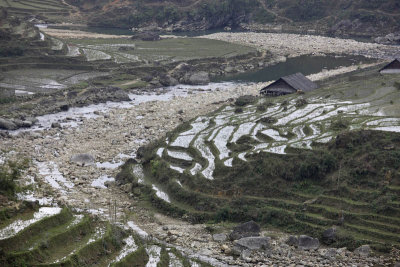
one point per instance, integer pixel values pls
(392, 67)
(288, 85)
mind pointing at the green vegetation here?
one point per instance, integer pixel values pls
(29, 7)
(67, 239)
(216, 13)
(9, 174)
(176, 49)
(397, 85)
(245, 100)
(319, 15)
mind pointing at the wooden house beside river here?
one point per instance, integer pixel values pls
(288, 85)
(392, 67)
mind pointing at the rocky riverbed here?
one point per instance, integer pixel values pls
(292, 45)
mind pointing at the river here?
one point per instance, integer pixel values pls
(306, 64)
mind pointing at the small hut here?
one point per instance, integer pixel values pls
(288, 85)
(392, 67)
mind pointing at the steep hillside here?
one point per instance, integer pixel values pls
(361, 17)
(51, 236)
(299, 163)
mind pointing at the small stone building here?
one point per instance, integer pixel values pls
(288, 85)
(392, 67)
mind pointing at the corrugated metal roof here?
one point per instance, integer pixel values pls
(298, 81)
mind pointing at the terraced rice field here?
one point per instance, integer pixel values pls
(47, 7)
(230, 143)
(289, 126)
(125, 50)
(57, 237)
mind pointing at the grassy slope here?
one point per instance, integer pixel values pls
(355, 176)
(78, 240)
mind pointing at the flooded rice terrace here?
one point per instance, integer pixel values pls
(27, 81)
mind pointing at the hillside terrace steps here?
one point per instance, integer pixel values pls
(68, 239)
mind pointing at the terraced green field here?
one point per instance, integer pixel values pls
(58, 237)
(301, 163)
(45, 7)
(175, 49)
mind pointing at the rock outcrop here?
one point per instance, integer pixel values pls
(308, 243)
(7, 124)
(251, 243)
(245, 230)
(391, 38)
(196, 78)
(363, 251)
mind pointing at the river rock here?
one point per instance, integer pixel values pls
(328, 253)
(363, 251)
(33, 120)
(292, 241)
(245, 230)
(26, 124)
(219, 237)
(198, 78)
(229, 69)
(55, 125)
(225, 249)
(64, 106)
(18, 122)
(329, 235)
(308, 243)
(7, 124)
(82, 159)
(168, 80)
(251, 243)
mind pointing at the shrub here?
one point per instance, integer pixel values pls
(267, 120)
(339, 124)
(126, 174)
(301, 102)
(245, 100)
(397, 85)
(9, 173)
(238, 110)
(11, 51)
(261, 108)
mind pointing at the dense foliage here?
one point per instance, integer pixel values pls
(10, 172)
